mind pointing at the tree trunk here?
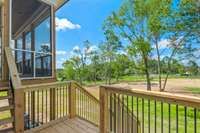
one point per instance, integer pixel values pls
(159, 64)
(147, 72)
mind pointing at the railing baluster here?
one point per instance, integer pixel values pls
(29, 119)
(195, 120)
(169, 118)
(115, 114)
(132, 104)
(177, 126)
(60, 102)
(42, 107)
(155, 116)
(161, 117)
(137, 113)
(127, 115)
(46, 105)
(57, 103)
(38, 106)
(63, 98)
(185, 119)
(122, 113)
(111, 112)
(142, 115)
(149, 124)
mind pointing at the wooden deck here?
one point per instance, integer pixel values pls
(75, 125)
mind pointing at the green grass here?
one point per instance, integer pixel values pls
(181, 111)
(194, 90)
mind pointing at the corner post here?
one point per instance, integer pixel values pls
(103, 110)
(72, 101)
(52, 104)
(19, 110)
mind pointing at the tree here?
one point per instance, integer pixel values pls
(109, 49)
(130, 23)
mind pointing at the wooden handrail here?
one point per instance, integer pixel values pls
(43, 85)
(190, 101)
(85, 91)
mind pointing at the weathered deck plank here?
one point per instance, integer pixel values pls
(75, 125)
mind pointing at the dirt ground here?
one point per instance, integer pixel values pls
(173, 86)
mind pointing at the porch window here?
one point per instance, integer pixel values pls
(33, 52)
(18, 55)
(43, 49)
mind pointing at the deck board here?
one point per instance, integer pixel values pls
(75, 125)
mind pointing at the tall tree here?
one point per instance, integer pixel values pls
(109, 49)
(130, 23)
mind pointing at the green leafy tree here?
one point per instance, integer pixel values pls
(109, 49)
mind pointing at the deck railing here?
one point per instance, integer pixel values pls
(155, 112)
(87, 106)
(45, 102)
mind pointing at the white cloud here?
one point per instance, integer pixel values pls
(163, 43)
(91, 49)
(59, 62)
(64, 23)
(76, 48)
(61, 52)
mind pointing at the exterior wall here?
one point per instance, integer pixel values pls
(6, 36)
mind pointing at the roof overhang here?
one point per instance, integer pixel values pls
(56, 3)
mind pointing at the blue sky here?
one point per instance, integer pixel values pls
(80, 20)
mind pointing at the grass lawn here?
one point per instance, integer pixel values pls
(165, 116)
(194, 90)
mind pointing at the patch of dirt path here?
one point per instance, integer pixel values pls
(173, 86)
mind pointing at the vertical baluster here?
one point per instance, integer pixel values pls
(137, 114)
(46, 106)
(29, 110)
(78, 96)
(161, 117)
(115, 114)
(81, 104)
(119, 115)
(67, 104)
(195, 120)
(42, 106)
(149, 123)
(177, 119)
(185, 119)
(57, 103)
(60, 88)
(155, 116)
(169, 117)
(38, 106)
(111, 112)
(122, 113)
(127, 114)
(142, 115)
(132, 112)
(63, 98)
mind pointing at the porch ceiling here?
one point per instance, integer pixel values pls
(23, 10)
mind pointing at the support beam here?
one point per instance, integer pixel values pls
(103, 110)
(5, 37)
(72, 101)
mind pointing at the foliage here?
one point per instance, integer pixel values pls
(141, 25)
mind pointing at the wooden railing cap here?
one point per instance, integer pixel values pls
(184, 100)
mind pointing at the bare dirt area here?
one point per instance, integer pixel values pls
(173, 86)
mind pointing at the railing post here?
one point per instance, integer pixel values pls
(103, 110)
(72, 101)
(19, 110)
(52, 104)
